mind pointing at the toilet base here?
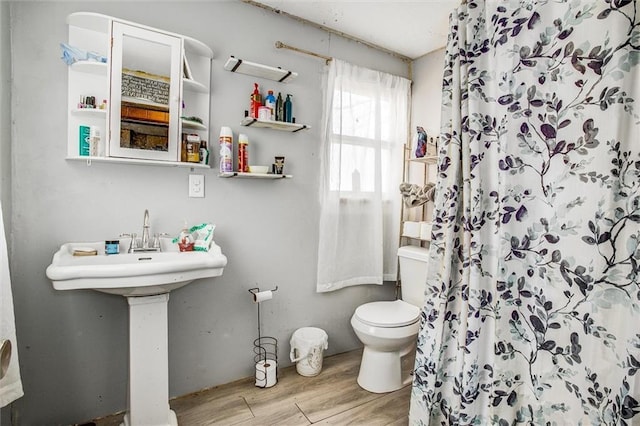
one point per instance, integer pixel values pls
(381, 372)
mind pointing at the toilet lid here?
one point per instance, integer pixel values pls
(388, 314)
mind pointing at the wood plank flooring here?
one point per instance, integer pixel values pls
(331, 398)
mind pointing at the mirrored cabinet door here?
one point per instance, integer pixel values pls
(146, 69)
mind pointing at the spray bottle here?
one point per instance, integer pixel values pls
(226, 150)
(243, 153)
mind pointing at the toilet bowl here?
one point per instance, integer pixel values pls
(388, 330)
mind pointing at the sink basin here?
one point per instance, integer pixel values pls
(131, 274)
(145, 279)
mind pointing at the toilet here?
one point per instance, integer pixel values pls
(388, 330)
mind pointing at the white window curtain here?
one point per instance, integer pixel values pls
(365, 125)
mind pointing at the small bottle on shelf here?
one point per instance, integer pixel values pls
(256, 101)
(204, 153)
(243, 153)
(288, 109)
(226, 145)
(270, 102)
(279, 108)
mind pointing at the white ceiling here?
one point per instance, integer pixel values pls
(410, 28)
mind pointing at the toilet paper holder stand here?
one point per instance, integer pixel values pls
(265, 349)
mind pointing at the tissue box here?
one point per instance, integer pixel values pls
(84, 136)
(411, 229)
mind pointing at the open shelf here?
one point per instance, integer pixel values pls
(427, 159)
(272, 124)
(253, 175)
(90, 67)
(234, 64)
(428, 240)
(90, 112)
(194, 86)
(140, 161)
(189, 124)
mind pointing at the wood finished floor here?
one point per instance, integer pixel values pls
(331, 398)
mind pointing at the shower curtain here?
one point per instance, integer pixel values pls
(532, 302)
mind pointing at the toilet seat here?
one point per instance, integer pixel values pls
(391, 314)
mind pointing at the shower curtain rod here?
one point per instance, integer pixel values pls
(281, 45)
(327, 29)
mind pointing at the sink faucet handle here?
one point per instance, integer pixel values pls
(134, 242)
(156, 241)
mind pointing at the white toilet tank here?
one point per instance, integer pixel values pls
(413, 273)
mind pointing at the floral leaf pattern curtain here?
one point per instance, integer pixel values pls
(532, 304)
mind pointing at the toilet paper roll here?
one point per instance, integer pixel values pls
(261, 296)
(266, 373)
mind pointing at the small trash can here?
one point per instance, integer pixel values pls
(307, 347)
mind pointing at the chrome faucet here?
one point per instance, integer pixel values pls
(145, 230)
(144, 241)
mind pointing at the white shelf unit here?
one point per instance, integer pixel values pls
(427, 159)
(92, 32)
(193, 125)
(89, 32)
(420, 211)
(90, 112)
(278, 74)
(196, 88)
(272, 124)
(242, 175)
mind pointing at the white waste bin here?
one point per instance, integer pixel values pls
(307, 347)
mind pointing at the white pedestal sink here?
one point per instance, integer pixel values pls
(145, 279)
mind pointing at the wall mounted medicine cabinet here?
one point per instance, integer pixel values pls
(153, 88)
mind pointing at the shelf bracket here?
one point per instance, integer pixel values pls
(285, 77)
(235, 67)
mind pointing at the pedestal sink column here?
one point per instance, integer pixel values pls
(148, 402)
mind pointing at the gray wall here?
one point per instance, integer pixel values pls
(426, 99)
(73, 345)
(5, 134)
(426, 91)
(5, 114)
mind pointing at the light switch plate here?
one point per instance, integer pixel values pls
(196, 186)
